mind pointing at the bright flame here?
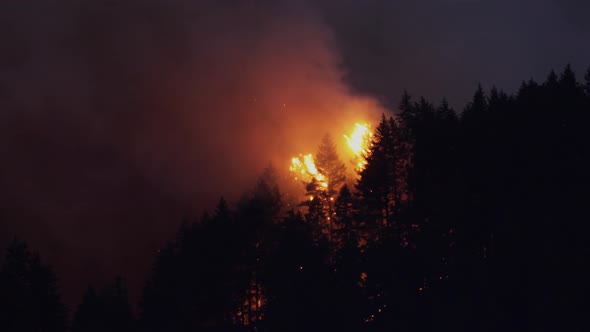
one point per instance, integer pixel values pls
(304, 167)
(359, 142)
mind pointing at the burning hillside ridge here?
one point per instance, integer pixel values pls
(304, 167)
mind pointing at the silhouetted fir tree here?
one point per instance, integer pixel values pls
(261, 214)
(303, 292)
(30, 299)
(378, 180)
(400, 159)
(315, 213)
(420, 145)
(267, 192)
(192, 284)
(587, 84)
(88, 316)
(161, 308)
(476, 107)
(447, 116)
(407, 111)
(489, 234)
(330, 165)
(344, 218)
(51, 311)
(551, 81)
(108, 310)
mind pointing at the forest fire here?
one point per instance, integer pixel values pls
(304, 167)
(359, 142)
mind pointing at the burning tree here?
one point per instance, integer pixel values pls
(360, 144)
(324, 176)
(329, 164)
(334, 169)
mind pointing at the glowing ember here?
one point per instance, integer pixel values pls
(359, 142)
(304, 168)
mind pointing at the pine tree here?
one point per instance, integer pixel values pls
(50, 310)
(344, 217)
(330, 165)
(567, 80)
(408, 112)
(88, 317)
(551, 81)
(108, 310)
(222, 212)
(30, 298)
(475, 109)
(445, 113)
(379, 181)
(303, 293)
(267, 192)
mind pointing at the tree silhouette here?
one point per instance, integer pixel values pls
(587, 84)
(471, 222)
(108, 310)
(330, 165)
(380, 183)
(30, 299)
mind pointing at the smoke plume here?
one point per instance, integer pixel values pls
(118, 119)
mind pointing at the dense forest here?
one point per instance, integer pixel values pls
(460, 220)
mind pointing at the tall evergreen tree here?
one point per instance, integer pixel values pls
(380, 179)
(109, 310)
(344, 218)
(330, 165)
(475, 109)
(407, 110)
(30, 298)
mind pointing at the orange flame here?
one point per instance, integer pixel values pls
(360, 142)
(305, 169)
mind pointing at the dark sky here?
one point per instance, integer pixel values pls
(118, 118)
(444, 48)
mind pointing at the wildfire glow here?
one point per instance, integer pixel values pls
(359, 142)
(305, 169)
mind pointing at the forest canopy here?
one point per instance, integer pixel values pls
(469, 220)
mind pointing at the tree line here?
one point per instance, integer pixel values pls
(469, 221)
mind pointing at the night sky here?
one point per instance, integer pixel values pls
(113, 113)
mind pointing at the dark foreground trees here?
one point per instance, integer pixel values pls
(106, 310)
(469, 222)
(457, 223)
(30, 298)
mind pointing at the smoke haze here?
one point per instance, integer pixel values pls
(118, 119)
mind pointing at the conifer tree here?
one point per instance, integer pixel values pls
(30, 298)
(108, 310)
(329, 165)
(475, 109)
(344, 214)
(379, 180)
